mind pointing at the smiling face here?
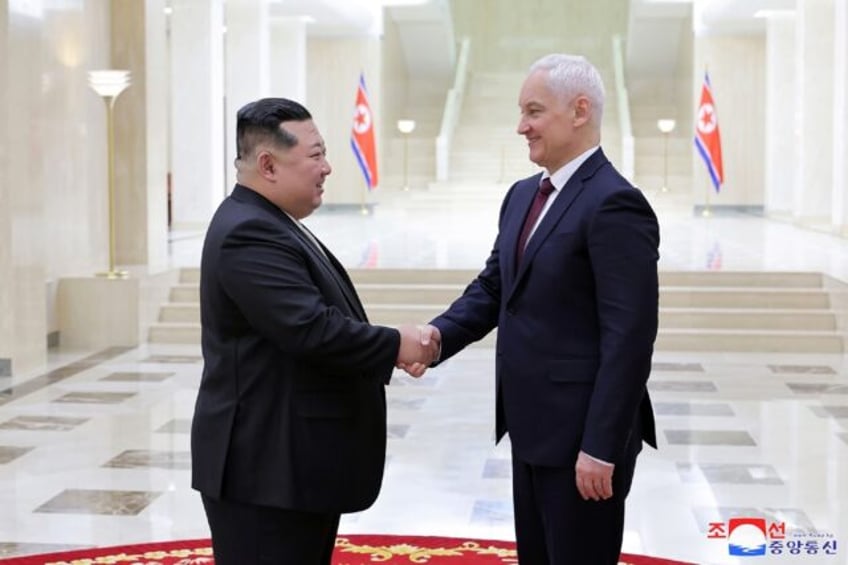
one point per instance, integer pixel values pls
(554, 125)
(297, 174)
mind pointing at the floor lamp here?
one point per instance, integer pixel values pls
(406, 127)
(666, 126)
(109, 84)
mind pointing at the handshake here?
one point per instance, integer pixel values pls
(420, 346)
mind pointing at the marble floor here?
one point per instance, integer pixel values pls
(94, 448)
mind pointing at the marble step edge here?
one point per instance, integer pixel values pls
(677, 278)
(668, 340)
(698, 299)
(743, 332)
(663, 310)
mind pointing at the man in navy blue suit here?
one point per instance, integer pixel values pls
(289, 426)
(571, 285)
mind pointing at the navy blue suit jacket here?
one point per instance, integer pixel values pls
(291, 409)
(576, 320)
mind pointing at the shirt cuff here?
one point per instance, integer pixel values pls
(601, 461)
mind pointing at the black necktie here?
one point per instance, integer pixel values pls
(542, 194)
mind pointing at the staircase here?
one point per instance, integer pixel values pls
(486, 148)
(699, 311)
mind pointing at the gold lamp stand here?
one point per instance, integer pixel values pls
(406, 127)
(109, 84)
(666, 126)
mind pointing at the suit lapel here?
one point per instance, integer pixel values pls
(564, 199)
(329, 264)
(522, 199)
(333, 270)
(343, 280)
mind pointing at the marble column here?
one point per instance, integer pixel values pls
(5, 211)
(23, 329)
(814, 60)
(197, 111)
(247, 66)
(781, 136)
(140, 117)
(840, 120)
(288, 53)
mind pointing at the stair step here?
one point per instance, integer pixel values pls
(741, 279)
(750, 341)
(746, 279)
(393, 314)
(699, 310)
(183, 333)
(673, 297)
(174, 333)
(747, 319)
(693, 297)
(183, 312)
(185, 293)
(667, 339)
(422, 276)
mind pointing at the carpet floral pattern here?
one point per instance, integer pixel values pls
(350, 550)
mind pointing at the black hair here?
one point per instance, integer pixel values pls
(260, 121)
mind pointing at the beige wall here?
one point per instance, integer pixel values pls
(736, 65)
(332, 79)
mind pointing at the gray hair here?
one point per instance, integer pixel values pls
(573, 75)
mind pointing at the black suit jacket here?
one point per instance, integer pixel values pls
(291, 408)
(576, 320)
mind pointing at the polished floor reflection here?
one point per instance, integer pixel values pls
(94, 448)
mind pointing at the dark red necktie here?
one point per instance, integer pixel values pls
(542, 194)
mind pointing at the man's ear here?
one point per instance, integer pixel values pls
(266, 165)
(582, 111)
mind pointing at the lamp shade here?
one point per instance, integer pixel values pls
(666, 125)
(108, 83)
(406, 126)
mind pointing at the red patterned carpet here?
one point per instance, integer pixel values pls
(350, 550)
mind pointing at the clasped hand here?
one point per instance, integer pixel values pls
(419, 348)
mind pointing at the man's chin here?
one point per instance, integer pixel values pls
(534, 156)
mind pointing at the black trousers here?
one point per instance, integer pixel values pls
(555, 526)
(246, 534)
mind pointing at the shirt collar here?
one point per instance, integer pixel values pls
(564, 173)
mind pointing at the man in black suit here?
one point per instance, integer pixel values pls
(289, 427)
(571, 285)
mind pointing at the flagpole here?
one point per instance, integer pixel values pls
(706, 212)
(363, 208)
